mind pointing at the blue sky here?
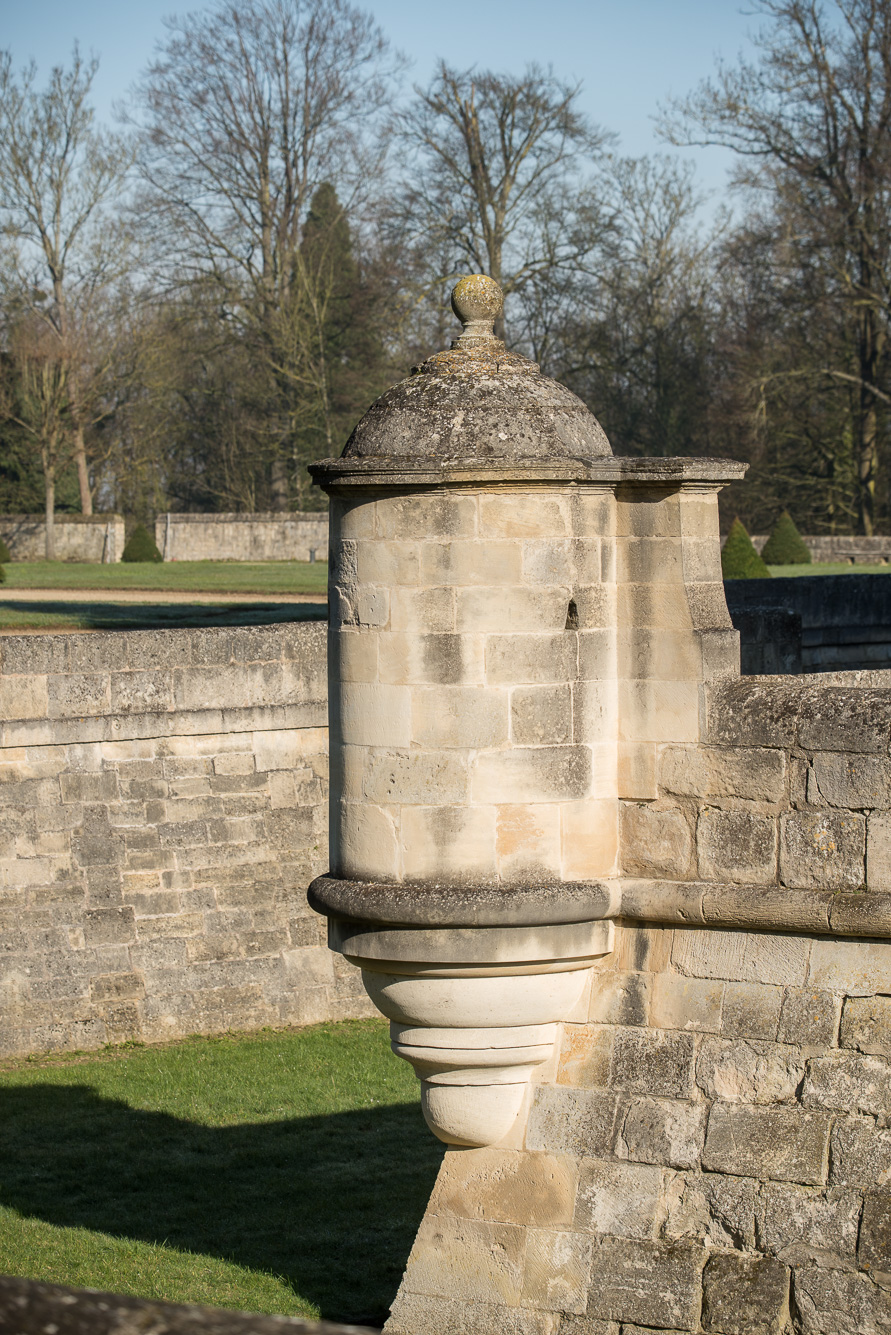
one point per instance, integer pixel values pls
(629, 54)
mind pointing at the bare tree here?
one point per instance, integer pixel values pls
(491, 161)
(35, 395)
(58, 176)
(811, 121)
(247, 109)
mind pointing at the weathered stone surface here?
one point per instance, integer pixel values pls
(866, 1025)
(712, 1207)
(854, 782)
(736, 846)
(686, 1004)
(748, 1071)
(655, 842)
(825, 848)
(874, 1250)
(809, 1017)
(471, 1260)
(860, 1153)
(413, 1312)
(752, 1010)
(835, 1302)
(742, 956)
(800, 1224)
(848, 1082)
(646, 1283)
(506, 1186)
(664, 1131)
(557, 1270)
(754, 773)
(621, 1199)
(745, 1295)
(781, 1143)
(574, 1121)
(653, 1062)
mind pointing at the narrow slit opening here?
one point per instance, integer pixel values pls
(572, 616)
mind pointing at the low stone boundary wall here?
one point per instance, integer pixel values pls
(243, 537)
(818, 623)
(163, 807)
(30, 1308)
(97, 538)
(849, 547)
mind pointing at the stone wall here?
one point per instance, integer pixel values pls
(710, 1152)
(162, 810)
(78, 537)
(852, 548)
(821, 623)
(243, 537)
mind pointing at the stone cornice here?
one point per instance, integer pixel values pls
(399, 471)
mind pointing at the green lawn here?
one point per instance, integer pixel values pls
(282, 1172)
(828, 568)
(21, 615)
(190, 576)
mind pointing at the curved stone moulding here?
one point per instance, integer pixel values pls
(474, 1010)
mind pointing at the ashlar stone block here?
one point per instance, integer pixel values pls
(448, 841)
(500, 609)
(824, 848)
(655, 842)
(739, 846)
(417, 778)
(459, 716)
(620, 1199)
(665, 1131)
(785, 1144)
(653, 1284)
(557, 1270)
(506, 1186)
(753, 773)
(748, 1071)
(849, 1082)
(804, 1224)
(850, 781)
(532, 774)
(541, 715)
(866, 1025)
(835, 1302)
(745, 1295)
(527, 839)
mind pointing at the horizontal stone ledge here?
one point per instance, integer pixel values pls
(176, 723)
(400, 471)
(28, 1307)
(696, 904)
(429, 904)
(758, 908)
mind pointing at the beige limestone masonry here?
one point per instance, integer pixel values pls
(78, 537)
(242, 537)
(162, 808)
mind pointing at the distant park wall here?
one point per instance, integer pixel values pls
(243, 537)
(163, 807)
(78, 537)
(850, 548)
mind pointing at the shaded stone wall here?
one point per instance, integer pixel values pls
(812, 624)
(162, 810)
(853, 548)
(242, 537)
(78, 537)
(710, 1152)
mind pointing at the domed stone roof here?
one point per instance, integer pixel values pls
(478, 400)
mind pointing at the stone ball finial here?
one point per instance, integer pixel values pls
(477, 301)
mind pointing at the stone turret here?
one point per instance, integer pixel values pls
(517, 619)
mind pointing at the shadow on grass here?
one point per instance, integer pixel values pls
(331, 1204)
(18, 613)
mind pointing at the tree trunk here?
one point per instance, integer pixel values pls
(278, 477)
(50, 516)
(83, 477)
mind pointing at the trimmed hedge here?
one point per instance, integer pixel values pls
(141, 546)
(739, 560)
(5, 555)
(785, 546)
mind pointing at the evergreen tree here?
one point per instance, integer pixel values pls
(785, 546)
(141, 546)
(739, 560)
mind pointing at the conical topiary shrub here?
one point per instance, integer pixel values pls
(785, 546)
(141, 546)
(4, 553)
(739, 560)
(2, 575)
